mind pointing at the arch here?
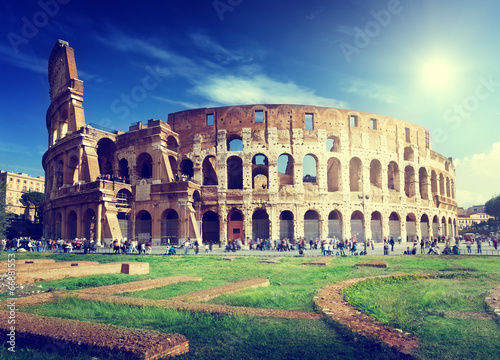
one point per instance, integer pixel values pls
(123, 199)
(424, 226)
(332, 144)
(89, 224)
(235, 225)
(376, 226)
(376, 173)
(260, 172)
(333, 174)
(411, 227)
(408, 154)
(285, 169)
(58, 226)
(409, 181)
(335, 224)
(309, 168)
(422, 183)
(448, 192)
(143, 226)
(125, 226)
(186, 168)
(123, 169)
(210, 171)
(441, 185)
(60, 174)
(145, 166)
(357, 225)
(286, 225)
(106, 149)
(172, 143)
(173, 165)
(451, 233)
(234, 173)
(170, 227)
(210, 227)
(260, 224)
(311, 225)
(447, 166)
(393, 176)
(196, 196)
(72, 221)
(394, 225)
(234, 143)
(435, 226)
(72, 168)
(355, 174)
(434, 185)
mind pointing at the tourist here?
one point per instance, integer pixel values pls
(478, 242)
(468, 244)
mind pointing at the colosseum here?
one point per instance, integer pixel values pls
(240, 172)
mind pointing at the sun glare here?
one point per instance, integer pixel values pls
(437, 73)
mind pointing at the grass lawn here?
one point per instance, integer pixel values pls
(402, 303)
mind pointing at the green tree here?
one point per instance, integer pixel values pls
(4, 216)
(492, 206)
(35, 199)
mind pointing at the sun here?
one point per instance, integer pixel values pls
(437, 73)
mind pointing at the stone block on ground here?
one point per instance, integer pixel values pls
(135, 268)
(373, 263)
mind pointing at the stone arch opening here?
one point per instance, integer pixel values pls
(260, 172)
(234, 143)
(58, 226)
(234, 173)
(335, 224)
(441, 185)
(145, 166)
(72, 168)
(285, 169)
(186, 167)
(355, 174)
(172, 144)
(411, 227)
(448, 192)
(123, 169)
(309, 168)
(422, 183)
(434, 185)
(376, 173)
(376, 226)
(424, 226)
(106, 149)
(170, 227)
(409, 181)
(235, 226)
(210, 227)
(72, 221)
(357, 225)
(123, 199)
(143, 226)
(435, 226)
(333, 174)
(209, 171)
(89, 224)
(286, 225)
(260, 224)
(60, 174)
(393, 176)
(332, 144)
(196, 197)
(173, 165)
(451, 234)
(394, 225)
(311, 225)
(408, 154)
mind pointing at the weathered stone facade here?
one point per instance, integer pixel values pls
(252, 171)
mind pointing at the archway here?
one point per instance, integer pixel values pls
(435, 226)
(311, 225)
(333, 174)
(332, 144)
(123, 169)
(376, 173)
(286, 225)
(355, 174)
(394, 225)
(89, 224)
(209, 171)
(422, 182)
(235, 226)
(172, 143)
(143, 226)
(408, 154)
(145, 166)
(210, 227)
(357, 225)
(234, 143)
(335, 224)
(105, 155)
(170, 227)
(393, 176)
(260, 172)
(411, 227)
(409, 181)
(285, 169)
(260, 224)
(72, 220)
(424, 226)
(234, 173)
(376, 226)
(125, 226)
(309, 168)
(186, 167)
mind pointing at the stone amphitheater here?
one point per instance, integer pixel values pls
(240, 172)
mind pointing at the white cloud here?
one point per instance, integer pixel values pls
(478, 177)
(20, 60)
(259, 89)
(371, 90)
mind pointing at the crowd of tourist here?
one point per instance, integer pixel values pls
(119, 179)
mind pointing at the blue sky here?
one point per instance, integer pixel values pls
(430, 62)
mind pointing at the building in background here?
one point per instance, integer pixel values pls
(240, 172)
(16, 184)
(467, 221)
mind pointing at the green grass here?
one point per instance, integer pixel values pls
(402, 303)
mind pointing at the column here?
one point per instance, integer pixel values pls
(99, 225)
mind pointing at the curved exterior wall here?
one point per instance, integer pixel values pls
(346, 173)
